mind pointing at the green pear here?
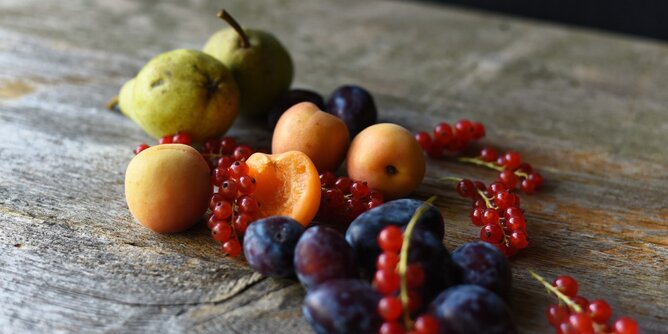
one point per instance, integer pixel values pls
(182, 90)
(261, 65)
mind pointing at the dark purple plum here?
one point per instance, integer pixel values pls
(289, 99)
(363, 231)
(355, 106)
(322, 254)
(428, 251)
(343, 306)
(483, 264)
(269, 245)
(471, 309)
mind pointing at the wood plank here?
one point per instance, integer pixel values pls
(587, 109)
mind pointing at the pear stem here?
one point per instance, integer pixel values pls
(245, 43)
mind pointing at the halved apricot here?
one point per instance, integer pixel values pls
(288, 184)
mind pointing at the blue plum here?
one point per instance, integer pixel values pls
(471, 309)
(343, 306)
(289, 99)
(322, 254)
(355, 106)
(483, 264)
(269, 245)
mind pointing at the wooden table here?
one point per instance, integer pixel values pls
(586, 108)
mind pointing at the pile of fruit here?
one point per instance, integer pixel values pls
(371, 259)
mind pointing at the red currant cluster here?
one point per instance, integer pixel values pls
(224, 152)
(498, 212)
(445, 138)
(232, 204)
(343, 199)
(387, 281)
(512, 170)
(574, 314)
(177, 138)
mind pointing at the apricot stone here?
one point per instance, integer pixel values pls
(388, 158)
(167, 187)
(321, 136)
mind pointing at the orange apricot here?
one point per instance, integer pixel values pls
(288, 184)
(167, 187)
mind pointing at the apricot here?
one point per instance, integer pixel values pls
(388, 158)
(288, 184)
(167, 187)
(321, 136)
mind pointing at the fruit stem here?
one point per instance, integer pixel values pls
(488, 201)
(112, 103)
(491, 165)
(562, 297)
(450, 178)
(245, 42)
(403, 259)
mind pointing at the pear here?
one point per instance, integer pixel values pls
(261, 65)
(182, 90)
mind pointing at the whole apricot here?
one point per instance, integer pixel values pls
(321, 136)
(167, 187)
(388, 158)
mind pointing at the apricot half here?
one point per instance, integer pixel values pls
(167, 187)
(288, 184)
(388, 158)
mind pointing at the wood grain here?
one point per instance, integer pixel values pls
(585, 108)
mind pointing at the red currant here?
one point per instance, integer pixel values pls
(237, 170)
(223, 210)
(489, 154)
(168, 139)
(390, 239)
(508, 178)
(490, 216)
(491, 233)
(225, 162)
(140, 148)
(232, 247)
(476, 216)
(512, 160)
(581, 323)
(464, 130)
(221, 232)
(389, 308)
(182, 138)
(426, 324)
(386, 281)
(443, 133)
(247, 204)
(600, 311)
(477, 130)
(246, 184)
(466, 188)
(359, 189)
(556, 314)
(626, 325)
(392, 327)
(228, 189)
(424, 140)
(343, 183)
(242, 152)
(415, 275)
(227, 145)
(241, 222)
(387, 260)
(518, 239)
(567, 285)
(327, 179)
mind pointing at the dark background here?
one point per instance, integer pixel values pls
(645, 18)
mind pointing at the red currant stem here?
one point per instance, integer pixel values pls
(491, 165)
(562, 297)
(488, 201)
(450, 178)
(403, 259)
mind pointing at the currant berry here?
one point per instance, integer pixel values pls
(223, 210)
(491, 233)
(228, 189)
(567, 285)
(581, 301)
(232, 247)
(581, 323)
(140, 148)
(211, 146)
(386, 281)
(504, 200)
(489, 154)
(490, 216)
(600, 311)
(518, 239)
(182, 138)
(327, 179)
(476, 216)
(443, 133)
(221, 232)
(241, 222)
(359, 189)
(477, 130)
(389, 308)
(512, 160)
(508, 178)
(343, 183)
(375, 194)
(464, 130)
(557, 314)
(415, 275)
(334, 198)
(515, 223)
(242, 152)
(466, 188)
(219, 176)
(424, 140)
(227, 145)
(372, 203)
(247, 204)
(237, 170)
(496, 188)
(626, 325)
(225, 162)
(392, 327)
(246, 184)
(426, 324)
(390, 239)
(166, 140)
(387, 260)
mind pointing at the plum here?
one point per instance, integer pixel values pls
(363, 231)
(355, 106)
(471, 309)
(343, 306)
(482, 264)
(322, 254)
(269, 245)
(289, 99)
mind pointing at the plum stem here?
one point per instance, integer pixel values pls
(245, 42)
(403, 259)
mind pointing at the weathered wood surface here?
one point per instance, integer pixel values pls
(587, 109)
